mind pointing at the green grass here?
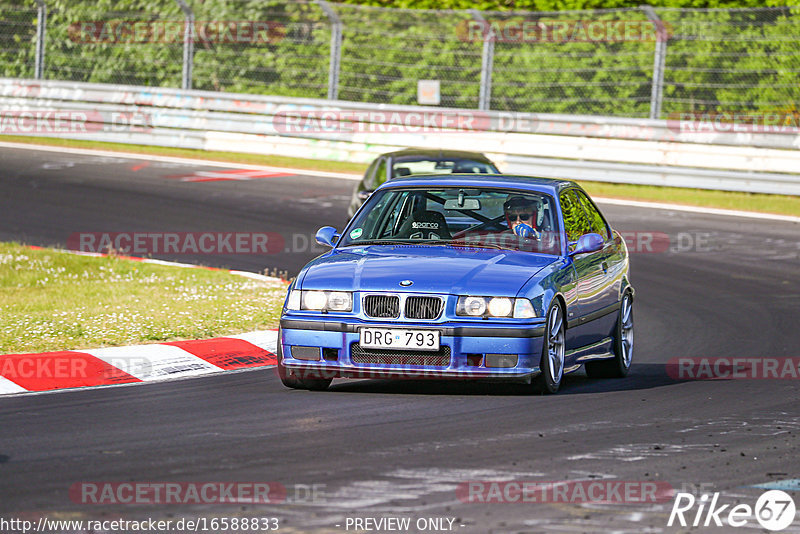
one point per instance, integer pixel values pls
(778, 204)
(51, 300)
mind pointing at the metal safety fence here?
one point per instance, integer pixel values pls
(635, 62)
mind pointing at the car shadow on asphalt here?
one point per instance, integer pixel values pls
(642, 376)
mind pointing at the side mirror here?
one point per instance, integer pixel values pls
(364, 195)
(588, 243)
(327, 236)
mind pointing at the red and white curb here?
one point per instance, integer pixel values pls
(25, 373)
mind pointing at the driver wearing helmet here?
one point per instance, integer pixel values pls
(521, 214)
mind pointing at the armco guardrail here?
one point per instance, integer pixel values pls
(640, 151)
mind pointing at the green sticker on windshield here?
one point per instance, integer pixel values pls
(355, 234)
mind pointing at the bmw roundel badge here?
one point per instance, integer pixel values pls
(406, 283)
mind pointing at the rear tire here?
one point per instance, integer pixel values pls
(553, 350)
(291, 380)
(620, 364)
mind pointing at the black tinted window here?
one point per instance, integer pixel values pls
(576, 223)
(598, 223)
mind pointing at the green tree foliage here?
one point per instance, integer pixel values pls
(384, 53)
(17, 40)
(289, 58)
(739, 60)
(565, 5)
(87, 42)
(717, 60)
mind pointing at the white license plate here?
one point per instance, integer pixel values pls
(399, 338)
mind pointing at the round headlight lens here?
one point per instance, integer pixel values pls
(500, 307)
(340, 301)
(475, 305)
(314, 300)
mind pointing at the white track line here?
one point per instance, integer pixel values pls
(697, 209)
(171, 159)
(347, 176)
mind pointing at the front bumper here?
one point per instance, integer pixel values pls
(469, 351)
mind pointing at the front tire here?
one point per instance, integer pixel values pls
(620, 364)
(553, 350)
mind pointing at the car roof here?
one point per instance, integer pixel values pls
(536, 183)
(438, 153)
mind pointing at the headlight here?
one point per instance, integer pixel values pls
(523, 309)
(314, 300)
(470, 306)
(320, 300)
(474, 306)
(340, 301)
(293, 302)
(500, 307)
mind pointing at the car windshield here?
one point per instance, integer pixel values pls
(458, 216)
(407, 165)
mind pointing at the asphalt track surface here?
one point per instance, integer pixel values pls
(382, 449)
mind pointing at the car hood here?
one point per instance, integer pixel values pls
(432, 269)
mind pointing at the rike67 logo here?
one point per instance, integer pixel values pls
(774, 510)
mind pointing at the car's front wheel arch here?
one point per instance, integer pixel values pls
(551, 365)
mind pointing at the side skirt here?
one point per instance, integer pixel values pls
(602, 350)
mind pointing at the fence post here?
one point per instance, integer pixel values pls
(41, 33)
(487, 61)
(659, 61)
(336, 49)
(188, 44)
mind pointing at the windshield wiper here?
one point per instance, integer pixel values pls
(378, 242)
(479, 245)
(429, 242)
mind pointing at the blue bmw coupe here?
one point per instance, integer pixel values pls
(490, 277)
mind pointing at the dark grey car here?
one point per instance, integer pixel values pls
(417, 161)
